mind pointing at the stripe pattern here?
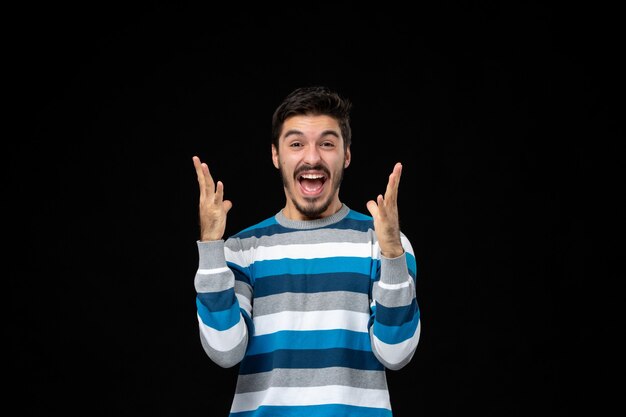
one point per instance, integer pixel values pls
(310, 312)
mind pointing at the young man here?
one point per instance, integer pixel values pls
(317, 301)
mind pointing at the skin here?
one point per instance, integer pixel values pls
(311, 145)
(308, 145)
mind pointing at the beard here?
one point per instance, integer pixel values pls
(314, 207)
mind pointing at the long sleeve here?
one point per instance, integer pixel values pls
(395, 329)
(328, 316)
(223, 323)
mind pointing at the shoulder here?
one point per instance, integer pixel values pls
(261, 228)
(358, 216)
(357, 221)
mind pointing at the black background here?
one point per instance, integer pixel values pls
(503, 115)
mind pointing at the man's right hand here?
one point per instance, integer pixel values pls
(213, 208)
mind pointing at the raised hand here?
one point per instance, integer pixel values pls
(213, 208)
(385, 213)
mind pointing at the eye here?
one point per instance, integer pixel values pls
(327, 144)
(295, 145)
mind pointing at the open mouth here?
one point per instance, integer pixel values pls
(312, 183)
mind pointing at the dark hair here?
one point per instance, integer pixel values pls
(314, 101)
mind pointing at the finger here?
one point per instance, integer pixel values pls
(227, 206)
(219, 192)
(199, 172)
(395, 176)
(204, 178)
(391, 187)
(391, 193)
(398, 170)
(208, 180)
(219, 197)
(372, 208)
(382, 210)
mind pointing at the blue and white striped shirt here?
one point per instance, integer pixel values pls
(312, 314)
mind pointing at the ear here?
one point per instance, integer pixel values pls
(347, 158)
(275, 156)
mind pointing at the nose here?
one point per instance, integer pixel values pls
(312, 155)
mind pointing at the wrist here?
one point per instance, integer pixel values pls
(392, 253)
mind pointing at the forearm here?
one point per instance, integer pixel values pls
(395, 331)
(223, 330)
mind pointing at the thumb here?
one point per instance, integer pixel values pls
(227, 206)
(372, 207)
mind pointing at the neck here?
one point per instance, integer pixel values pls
(291, 212)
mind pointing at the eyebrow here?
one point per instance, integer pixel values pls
(297, 132)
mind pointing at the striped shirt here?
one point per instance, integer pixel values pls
(312, 314)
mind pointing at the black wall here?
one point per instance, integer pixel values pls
(500, 113)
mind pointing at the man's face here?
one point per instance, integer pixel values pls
(311, 160)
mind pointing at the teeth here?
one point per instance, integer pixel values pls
(312, 177)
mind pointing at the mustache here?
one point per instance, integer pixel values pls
(304, 168)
